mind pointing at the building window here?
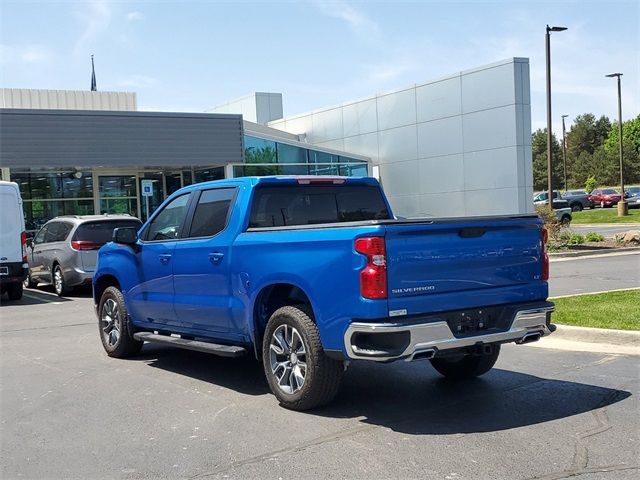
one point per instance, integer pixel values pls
(290, 154)
(48, 193)
(259, 150)
(208, 174)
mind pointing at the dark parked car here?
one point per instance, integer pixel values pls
(578, 200)
(64, 251)
(632, 195)
(605, 197)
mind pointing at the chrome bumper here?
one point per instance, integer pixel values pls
(426, 339)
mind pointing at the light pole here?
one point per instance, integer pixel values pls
(623, 209)
(564, 151)
(549, 138)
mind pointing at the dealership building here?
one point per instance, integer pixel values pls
(457, 145)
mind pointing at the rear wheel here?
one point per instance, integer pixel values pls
(59, 284)
(113, 324)
(15, 291)
(466, 366)
(300, 374)
(565, 220)
(576, 207)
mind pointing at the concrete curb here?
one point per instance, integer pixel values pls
(593, 340)
(597, 335)
(587, 253)
(606, 225)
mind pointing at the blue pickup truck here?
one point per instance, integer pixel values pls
(310, 273)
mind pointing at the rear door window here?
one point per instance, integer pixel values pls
(316, 204)
(101, 232)
(211, 212)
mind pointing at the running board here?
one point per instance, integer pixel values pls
(205, 347)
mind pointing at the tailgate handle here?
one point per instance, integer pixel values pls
(471, 232)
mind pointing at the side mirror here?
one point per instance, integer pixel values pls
(125, 236)
(29, 242)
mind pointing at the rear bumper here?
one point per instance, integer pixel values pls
(13, 272)
(432, 338)
(76, 277)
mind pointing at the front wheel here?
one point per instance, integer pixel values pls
(113, 324)
(29, 282)
(466, 366)
(299, 373)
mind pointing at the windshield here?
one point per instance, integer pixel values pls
(609, 191)
(316, 204)
(101, 232)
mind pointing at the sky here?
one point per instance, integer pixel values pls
(193, 55)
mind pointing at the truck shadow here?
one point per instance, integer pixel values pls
(410, 398)
(244, 374)
(432, 405)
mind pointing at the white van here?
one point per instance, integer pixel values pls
(13, 241)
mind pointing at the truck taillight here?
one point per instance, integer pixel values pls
(373, 277)
(23, 242)
(85, 245)
(545, 256)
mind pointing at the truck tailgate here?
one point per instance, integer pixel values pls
(454, 259)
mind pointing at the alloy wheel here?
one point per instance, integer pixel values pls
(57, 280)
(288, 358)
(110, 318)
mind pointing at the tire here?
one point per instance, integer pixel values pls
(466, 366)
(114, 327)
(29, 282)
(59, 285)
(576, 207)
(565, 220)
(15, 291)
(292, 331)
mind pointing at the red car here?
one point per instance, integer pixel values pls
(605, 197)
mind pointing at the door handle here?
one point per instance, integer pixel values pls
(216, 257)
(164, 258)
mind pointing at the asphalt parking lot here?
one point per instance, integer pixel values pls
(69, 411)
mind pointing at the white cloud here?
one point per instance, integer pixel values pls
(136, 81)
(134, 16)
(389, 72)
(27, 54)
(94, 17)
(357, 20)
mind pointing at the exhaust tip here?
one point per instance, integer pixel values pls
(529, 338)
(423, 354)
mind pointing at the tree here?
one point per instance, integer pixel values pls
(585, 136)
(539, 156)
(630, 151)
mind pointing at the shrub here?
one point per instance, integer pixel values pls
(576, 239)
(590, 184)
(594, 237)
(548, 216)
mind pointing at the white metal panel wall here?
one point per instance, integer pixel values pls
(459, 145)
(67, 100)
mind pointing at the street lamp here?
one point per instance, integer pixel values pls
(623, 208)
(548, 56)
(564, 151)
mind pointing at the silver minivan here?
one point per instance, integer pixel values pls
(64, 251)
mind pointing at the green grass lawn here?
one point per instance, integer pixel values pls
(618, 310)
(605, 215)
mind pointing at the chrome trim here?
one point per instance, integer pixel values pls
(438, 335)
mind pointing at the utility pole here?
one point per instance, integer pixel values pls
(564, 151)
(549, 133)
(623, 208)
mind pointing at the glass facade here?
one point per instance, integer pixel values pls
(268, 157)
(49, 193)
